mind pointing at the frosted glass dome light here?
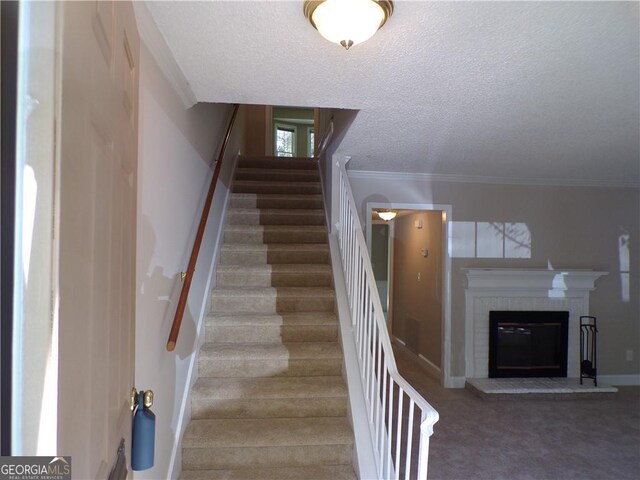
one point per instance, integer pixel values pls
(348, 22)
(387, 215)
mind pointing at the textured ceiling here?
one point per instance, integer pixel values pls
(545, 90)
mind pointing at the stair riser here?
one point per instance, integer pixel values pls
(271, 333)
(258, 237)
(262, 257)
(238, 457)
(238, 201)
(268, 304)
(261, 218)
(270, 408)
(266, 175)
(306, 164)
(252, 368)
(293, 188)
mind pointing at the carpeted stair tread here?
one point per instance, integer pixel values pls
(302, 163)
(272, 329)
(274, 253)
(269, 351)
(253, 186)
(268, 432)
(295, 359)
(277, 228)
(329, 472)
(269, 397)
(275, 216)
(277, 174)
(269, 388)
(281, 292)
(300, 318)
(274, 275)
(235, 300)
(266, 457)
(279, 211)
(282, 268)
(275, 200)
(261, 234)
(271, 300)
(276, 247)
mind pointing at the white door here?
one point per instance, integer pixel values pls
(96, 220)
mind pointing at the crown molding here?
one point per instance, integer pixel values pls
(451, 178)
(160, 51)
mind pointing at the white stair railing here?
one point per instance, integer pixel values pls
(390, 401)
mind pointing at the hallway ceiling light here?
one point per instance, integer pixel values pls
(387, 215)
(347, 22)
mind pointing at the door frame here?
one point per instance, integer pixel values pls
(9, 84)
(446, 376)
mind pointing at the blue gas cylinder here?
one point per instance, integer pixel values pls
(144, 434)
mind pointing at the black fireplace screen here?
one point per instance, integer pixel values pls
(528, 344)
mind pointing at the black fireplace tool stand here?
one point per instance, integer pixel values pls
(588, 365)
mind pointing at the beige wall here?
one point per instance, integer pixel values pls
(546, 226)
(342, 120)
(417, 302)
(257, 130)
(176, 149)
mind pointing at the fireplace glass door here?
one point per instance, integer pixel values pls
(528, 344)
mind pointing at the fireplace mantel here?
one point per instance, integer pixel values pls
(505, 280)
(522, 289)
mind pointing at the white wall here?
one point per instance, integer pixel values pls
(342, 120)
(176, 149)
(536, 227)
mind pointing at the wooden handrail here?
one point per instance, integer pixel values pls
(184, 294)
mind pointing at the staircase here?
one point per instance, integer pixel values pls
(270, 401)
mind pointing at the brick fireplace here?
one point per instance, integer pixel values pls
(498, 289)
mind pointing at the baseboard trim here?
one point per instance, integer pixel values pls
(429, 367)
(620, 380)
(423, 362)
(401, 342)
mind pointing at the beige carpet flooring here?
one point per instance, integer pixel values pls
(477, 439)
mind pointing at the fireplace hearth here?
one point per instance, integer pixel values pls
(528, 343)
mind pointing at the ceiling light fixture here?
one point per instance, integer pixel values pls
(347, 22)
(387, 215)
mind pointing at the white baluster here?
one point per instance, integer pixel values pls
(375, 355)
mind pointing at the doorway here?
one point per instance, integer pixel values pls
(415, 286)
